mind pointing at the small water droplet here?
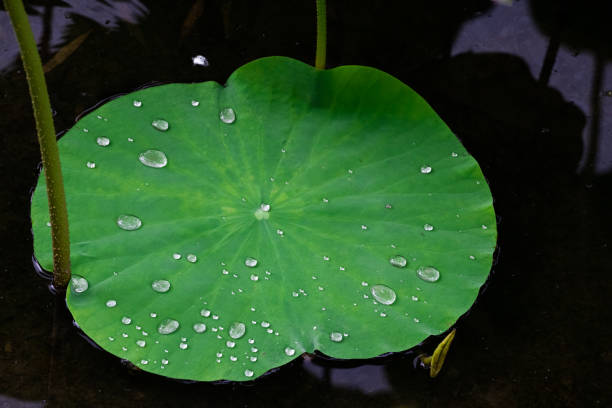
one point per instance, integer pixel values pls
(111, 303)
(248, 373)
(195, 103)
(111, 338)
(383, 294)
(265, 324)
(428, 227)
(350, 171)
(250, 262)
(103, 141)
(91, 165)
(251, 341)
(168, 326)
(280, 232)
(416, 320)
(192, 258)
(336, 337)
(144, 362)
(129, 139)
(85, 130)
(161, 286)
(414, 298)
(428, 273)
(364, 227)
(388, 206)
(126, 320)
(199, 327)
(253, 358)
(153, 158)
(200, 60)
(325, 258)
(227, 115)
(472, 257)
(484, 226)
(205, 312)
(398, 261)
(230, 344)
(453, 154)
(364, 283)
(233, 358)
(78, 283)
(176, 256)
(254, 278)
(141, 343)
(164, 361)
(153, 314)
(129, 222)
(289, 351)
(383, 314)
(325, 200)
(215, 317)
(137, 103)
(237, 330)
(426, 169)
(183, 346)
(160, 125)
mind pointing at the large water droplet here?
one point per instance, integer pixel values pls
(168, 326)
(336, 337)
(237, 330)
(192, 258)
(161, 286)
(160, 124)
(78, 283)
(199, 327)
(111, 303)
(398, 261)
(227, 115)
(428, 273)
(250, 262)
(383, 294)
(153, 158)
(128, 222)
(103, 141)
(289, 351)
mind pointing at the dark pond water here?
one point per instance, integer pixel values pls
(525, 89)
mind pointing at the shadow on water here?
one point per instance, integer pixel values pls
(534, 337)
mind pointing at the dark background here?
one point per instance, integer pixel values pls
(523, 87)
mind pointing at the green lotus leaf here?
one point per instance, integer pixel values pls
(218, 232)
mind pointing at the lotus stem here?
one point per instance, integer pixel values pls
(321, 34)
(48, 144)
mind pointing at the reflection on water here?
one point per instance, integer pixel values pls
(8, 402)
(368, 379)
(50, 23)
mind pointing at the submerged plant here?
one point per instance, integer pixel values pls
(221, 231)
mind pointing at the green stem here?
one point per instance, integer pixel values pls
(321, 34)
(46, 138)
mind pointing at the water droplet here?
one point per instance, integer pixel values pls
(111, 303)
(325, 258)
(195, 103)
(183, 346)
(265, 207)
(388, 206)
(383, 294)
(91, 165)
(428, 273)
(78, 283)
(137, 103)
(128, 222)
(472, 257)
(126, 320)
(129, 139)
(233, 358)
(364, 227)
(153, 314)
(265, 324)
(230, 344)
(416, 320)
(227, 115)
(164, 361)
(253, 358)
(103, 141)
(398, 261)
(215, 317)
(176, 256)
(453, 154)
(428, 227)
(153, 158)
(254, 278)
(383, 314)
(426, 169)
(205, 312)
(414, 298)
(251, 341)
(237, 330)
(250, 262)
(168, 326)
(364, 283)
(248, 373)
(160, 125)
(144, 362)
(199, 327)
(200, 60)
(325, 200)
(280, 232)
(85, 130)
(336, 337)
(111, 338)
(141, 343)
(289, 351)
(484, 226)
(161, 286)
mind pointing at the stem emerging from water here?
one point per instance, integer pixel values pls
(46, 138)
(321, 34)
